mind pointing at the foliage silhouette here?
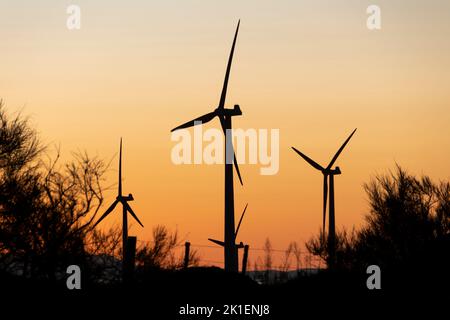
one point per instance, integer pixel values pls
(406, 232)
(46, 209)
(160, 252)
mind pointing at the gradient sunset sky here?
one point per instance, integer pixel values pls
(311, 69)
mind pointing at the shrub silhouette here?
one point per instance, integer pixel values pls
(160, 251)
(406, 230)
(46, 209)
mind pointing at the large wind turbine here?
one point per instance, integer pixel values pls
(126, 207)
(328, 173)
(224, 115)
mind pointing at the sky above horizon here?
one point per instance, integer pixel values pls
(311, 69)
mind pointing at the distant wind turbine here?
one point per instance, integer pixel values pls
(224, 115)
(238, 245)
(328, 173)
(125, 207)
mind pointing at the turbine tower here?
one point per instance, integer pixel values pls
(125, 207)
(225, 115)
(328, 174)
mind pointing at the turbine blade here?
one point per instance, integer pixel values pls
(220, 243)
(309, 160)
(127, 206)
(120, 169)
(325, 197)
(340, 150)
(236, 166)
(111, 208)
(203, 119)
(240, 221)
(227, 73)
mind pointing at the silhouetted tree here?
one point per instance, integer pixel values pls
(297, 254)
(160, 251)
(19, 144)
(407, 226)
(408, 217)
(268, 259)
(19, 186)
(46, 209)
(286, 262)
(256, 264)
(345, 242)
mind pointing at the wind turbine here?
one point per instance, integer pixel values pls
(224, 115)
(239, 245)
(328, 173)
(125, 207)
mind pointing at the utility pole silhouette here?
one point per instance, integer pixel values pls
(225, 115)
(245, 260)
(328, 174)
(187, 246)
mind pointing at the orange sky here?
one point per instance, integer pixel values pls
(308, 68)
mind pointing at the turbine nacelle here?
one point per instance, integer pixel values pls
(236, 111)
(239, 245)
(126, 198)
(334, 172)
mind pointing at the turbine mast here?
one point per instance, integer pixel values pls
(230, 252)
(124, 232)
(120, 170)
(331, 228)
